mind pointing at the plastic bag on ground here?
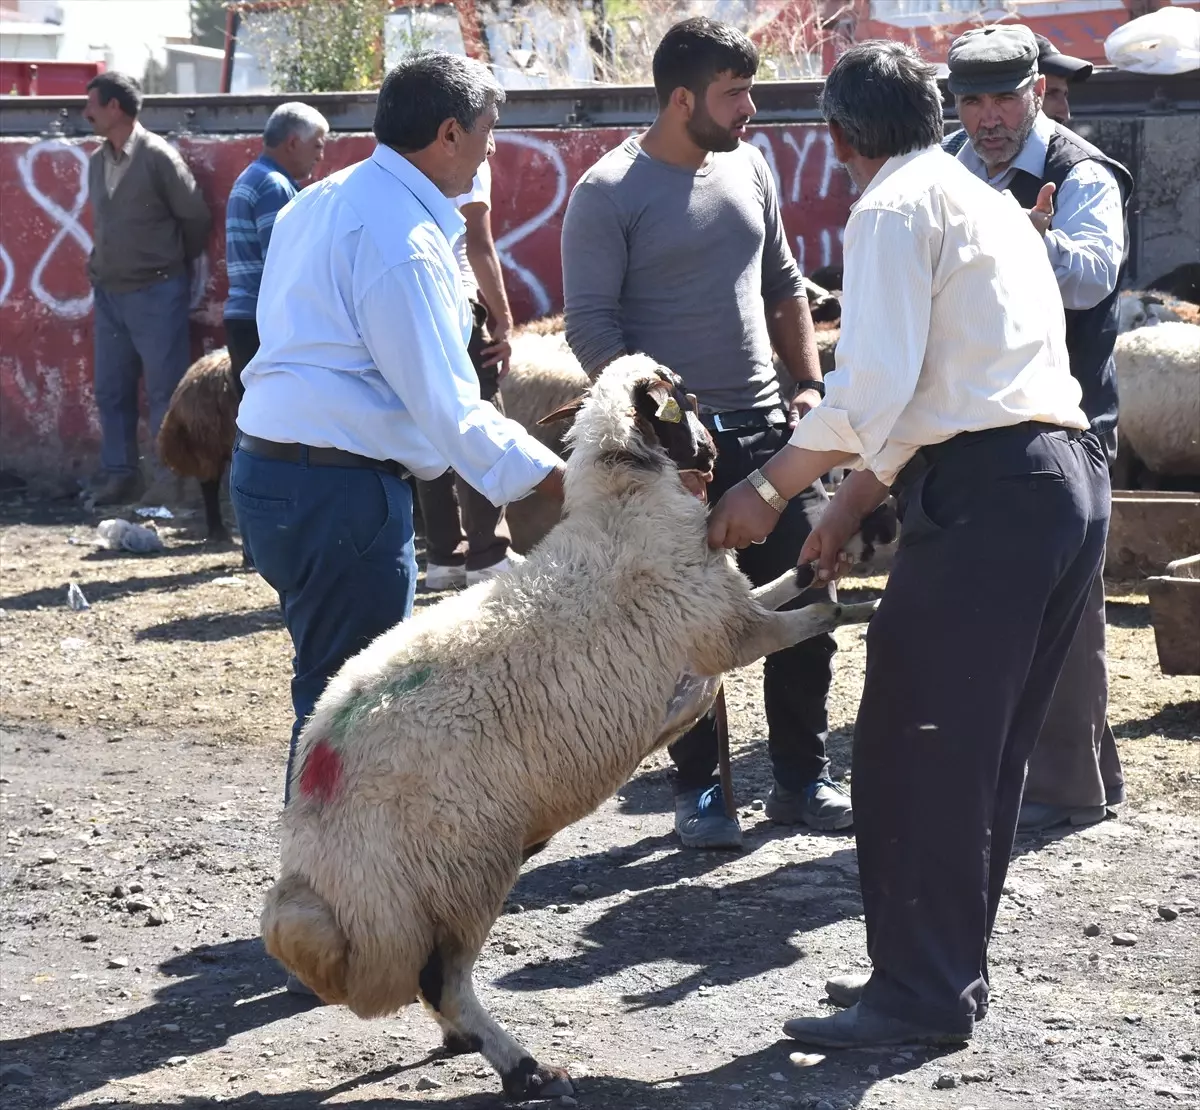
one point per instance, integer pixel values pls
(121, 535)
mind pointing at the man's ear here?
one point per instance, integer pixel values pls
(450, 131)
(684, 100)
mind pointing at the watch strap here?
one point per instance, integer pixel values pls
(766, 491)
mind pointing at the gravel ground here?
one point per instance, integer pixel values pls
(141, 761)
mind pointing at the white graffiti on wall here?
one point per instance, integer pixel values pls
(68, 224)
(9, 273)
(42, 391)
(539, 219)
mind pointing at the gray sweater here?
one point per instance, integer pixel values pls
(155, 222)
(680, 265)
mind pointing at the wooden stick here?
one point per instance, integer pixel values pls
(726, 772)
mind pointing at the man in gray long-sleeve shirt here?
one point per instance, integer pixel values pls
(673, 245)
(150, 221)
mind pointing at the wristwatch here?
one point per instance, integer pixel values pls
(766, 491)
(813, 384)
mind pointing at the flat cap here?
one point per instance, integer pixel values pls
(992, 60)
(1052, 60)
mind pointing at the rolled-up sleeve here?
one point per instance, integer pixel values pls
(594, 257)
(884, 331)
(408, 321)
(1086, 244)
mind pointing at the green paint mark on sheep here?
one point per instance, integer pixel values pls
(413, 680)
(352, 714)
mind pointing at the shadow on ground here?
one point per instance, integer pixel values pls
(842, 1079)
(1178, 721)
(667, 914)
(214, 626)
(219, 990)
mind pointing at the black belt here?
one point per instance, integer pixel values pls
(315, 456)
(743, 418)
(926, 457)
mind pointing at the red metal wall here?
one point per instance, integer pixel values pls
(47, 417)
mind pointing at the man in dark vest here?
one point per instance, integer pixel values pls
(1077, 197)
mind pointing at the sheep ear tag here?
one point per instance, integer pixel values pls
(668, 410)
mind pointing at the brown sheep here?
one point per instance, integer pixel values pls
(197, 434)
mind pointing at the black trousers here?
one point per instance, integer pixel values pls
(241, 340)
(795, 681)
(462, 527)
(1000, 542)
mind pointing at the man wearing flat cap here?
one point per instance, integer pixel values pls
(1061, 71)
(1076, 197)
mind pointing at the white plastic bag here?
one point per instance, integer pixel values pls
(1164, 42)
(121, 535)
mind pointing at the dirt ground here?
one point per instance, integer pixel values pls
(142, 745)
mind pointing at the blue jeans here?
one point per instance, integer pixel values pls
(144, 331)
(336, 544)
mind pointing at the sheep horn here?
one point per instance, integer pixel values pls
(563, 412)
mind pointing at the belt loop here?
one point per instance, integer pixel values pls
(304, 455)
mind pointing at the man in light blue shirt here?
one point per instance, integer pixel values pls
(363, 375)
(1076, 197)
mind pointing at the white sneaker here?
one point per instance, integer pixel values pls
(485, 574)
(438, 577)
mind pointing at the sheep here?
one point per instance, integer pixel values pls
(543, 375)
(197, 434)
(1158, 382)
(1140, 308)
(460, 741)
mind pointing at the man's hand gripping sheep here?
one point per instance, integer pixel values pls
(460, 741)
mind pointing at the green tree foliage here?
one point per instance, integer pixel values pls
(208, 23)
(324, 45)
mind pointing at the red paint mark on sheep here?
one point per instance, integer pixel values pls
(322, 774)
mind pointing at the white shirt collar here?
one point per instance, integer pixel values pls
(890, 167)
(439, 206)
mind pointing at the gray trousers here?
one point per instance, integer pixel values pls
(1075, 763)
(143, 332)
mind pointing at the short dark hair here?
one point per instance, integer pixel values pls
(885, 98)
(424, 91)
(693, 52)
(119, 87)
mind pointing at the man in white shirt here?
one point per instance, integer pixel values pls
(1077, 196)
(466, 537)
(952, 387)
(363, 374)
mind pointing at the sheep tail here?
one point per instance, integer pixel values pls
(300, 930)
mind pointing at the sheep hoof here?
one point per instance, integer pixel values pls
(531, 1080)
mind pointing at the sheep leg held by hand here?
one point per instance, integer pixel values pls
(781, 630)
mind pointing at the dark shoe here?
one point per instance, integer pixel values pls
(846, 990)
(861, 1027)
(822, 805)
(701, 822)
(1036, 816)
(117, 489)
